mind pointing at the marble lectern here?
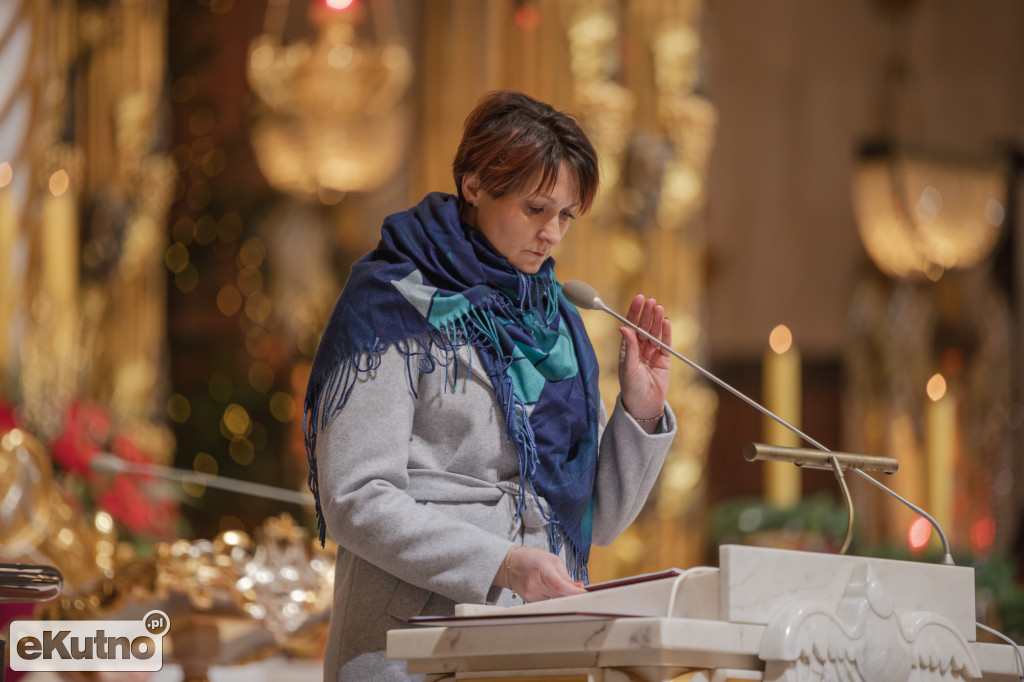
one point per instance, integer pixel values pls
(764, 614)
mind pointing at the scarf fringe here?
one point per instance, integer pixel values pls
(329, 399)
(439, 347)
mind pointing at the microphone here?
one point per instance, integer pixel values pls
(109, 463)
(584, 296)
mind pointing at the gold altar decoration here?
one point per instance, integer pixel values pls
(19, 102)
(50, 353)
(654, 134)
(690, 121)
(332, 118)
(279, 580)
(128, 185)
(605, 105)
(94, 290)
(43, 524)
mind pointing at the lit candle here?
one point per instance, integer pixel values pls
(781, 386)
(905, 444)
(940, 442)
(60, 241)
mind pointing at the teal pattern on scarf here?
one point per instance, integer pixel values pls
(433, 285)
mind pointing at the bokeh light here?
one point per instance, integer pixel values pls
(919, 533)
(176, 258)
(242, 451)
(261, 376)
(282, 406)
(59, 182)
(983, 533)
(178, 408)
(936, 387)
(229, 300)
(528, 16)
(781, 339)
(237, 421)
(205, 464)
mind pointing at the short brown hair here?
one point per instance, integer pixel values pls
(509, 139)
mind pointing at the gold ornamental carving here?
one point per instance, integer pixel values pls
(654, 132)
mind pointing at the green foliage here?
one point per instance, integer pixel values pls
(739, 520)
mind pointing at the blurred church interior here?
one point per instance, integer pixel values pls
(826, 196)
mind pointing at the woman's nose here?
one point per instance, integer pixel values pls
(552, 232)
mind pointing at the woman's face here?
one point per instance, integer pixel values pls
(524, 226)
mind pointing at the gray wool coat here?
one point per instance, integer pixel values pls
(420, 494)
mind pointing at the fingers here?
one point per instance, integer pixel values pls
(649, 316)
(537, 575)
(644, 365)
(642, 312)
(635, 308)
(628, 346)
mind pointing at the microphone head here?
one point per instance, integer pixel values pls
(581, 294)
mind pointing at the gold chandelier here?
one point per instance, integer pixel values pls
(922, 214)
(331, 117)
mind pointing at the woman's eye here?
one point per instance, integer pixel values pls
(568, 216)
(535, 210)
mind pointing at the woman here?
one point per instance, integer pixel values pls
(459, 449)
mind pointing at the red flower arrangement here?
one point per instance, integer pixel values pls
(87, 429)
(139, 503)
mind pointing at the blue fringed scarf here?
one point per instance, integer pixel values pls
(433, 285)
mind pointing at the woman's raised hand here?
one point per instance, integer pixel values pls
(643, 365)
(536, 575)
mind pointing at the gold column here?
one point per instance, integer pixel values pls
(20, 47)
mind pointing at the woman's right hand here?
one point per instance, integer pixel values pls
(536, 575)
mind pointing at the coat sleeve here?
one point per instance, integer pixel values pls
(628, 465)
(362, 459)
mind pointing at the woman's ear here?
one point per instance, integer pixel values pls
(471, 188)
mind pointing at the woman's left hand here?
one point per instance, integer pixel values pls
(643, 365)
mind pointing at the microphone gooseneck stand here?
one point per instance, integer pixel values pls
(582, 295)
(109, 463)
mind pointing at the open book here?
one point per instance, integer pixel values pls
(673, 592)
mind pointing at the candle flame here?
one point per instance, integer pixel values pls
(936, 387)
(781, 339)
(59, 182)
(6, 174)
